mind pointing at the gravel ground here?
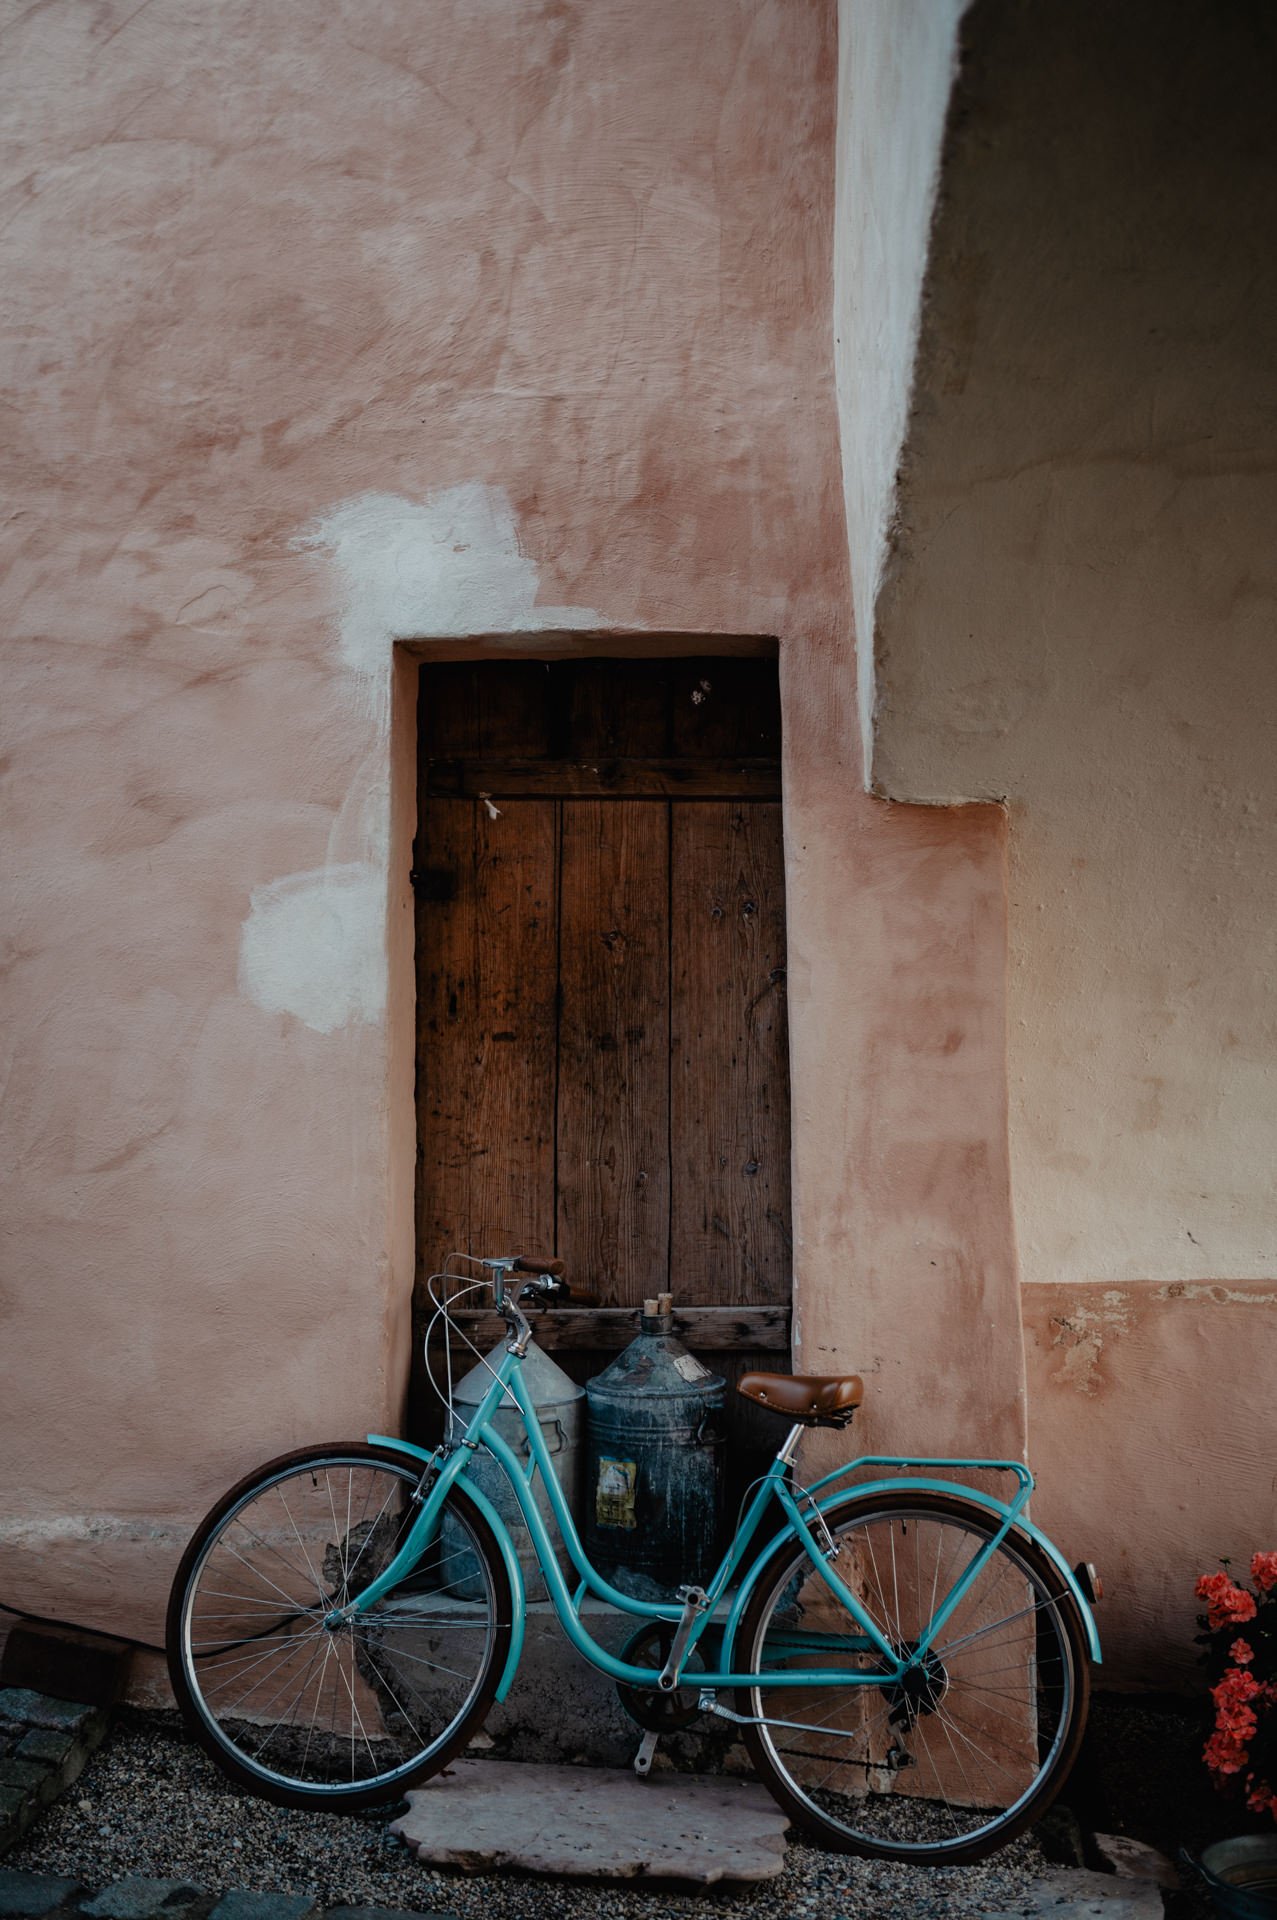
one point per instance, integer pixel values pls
(150, 1803)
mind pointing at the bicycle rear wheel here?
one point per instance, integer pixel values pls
(311, 1716)
(973, 1744)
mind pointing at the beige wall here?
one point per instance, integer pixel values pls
(324, 334)
(1081, 619)
(1078, 618)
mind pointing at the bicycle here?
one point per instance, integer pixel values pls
(907, 1659)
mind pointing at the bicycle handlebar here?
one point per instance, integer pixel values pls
(528, 1263)
(581, 1297)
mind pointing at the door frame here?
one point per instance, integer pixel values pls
(399, 1103)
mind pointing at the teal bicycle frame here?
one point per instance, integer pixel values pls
(805, 1517)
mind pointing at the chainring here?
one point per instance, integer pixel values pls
(648, 1707)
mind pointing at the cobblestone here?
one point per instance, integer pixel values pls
(17, 1810)
(44, 1744)
(45, 1896)
(242, 1905)
(141, 1899)
(28, 1896)
(41, 1744)
(20, 1708)
(382, 1913)
(27, 1775)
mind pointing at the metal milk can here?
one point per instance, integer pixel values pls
(654, 1460)
(559, 1404)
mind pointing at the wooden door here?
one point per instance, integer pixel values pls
(602, 1065)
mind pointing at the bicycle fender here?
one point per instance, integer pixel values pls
(980, 1498)
(505, 1545)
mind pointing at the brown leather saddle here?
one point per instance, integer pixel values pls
(812, 1399)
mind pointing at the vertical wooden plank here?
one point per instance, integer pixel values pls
(486, 943)
(729, 1043)
(616, 709)
(515, 699)
(730, 1238)
(613, 1107)
(448, 712)
(725, 707)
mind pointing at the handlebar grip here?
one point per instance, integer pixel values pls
(527, 1264)
(581, 1297)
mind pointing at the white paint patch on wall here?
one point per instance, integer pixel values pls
(63, 1529)
(434, 569)
(897, 60)
(314, 943)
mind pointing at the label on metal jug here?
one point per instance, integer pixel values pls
(614, 1493)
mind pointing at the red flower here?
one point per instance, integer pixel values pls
(1242, 1697)
(1235, 1688)
(1262, 1799)
(1227, 1605)
(1224, 1754)
(1235, 1721)
(1263, 1571)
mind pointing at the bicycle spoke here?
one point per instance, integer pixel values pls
(435, 1666)
(247, 1602)
(334, 1712)
(350, 1571)
(266, 1547)
(1025, 1613)
(319, 1588)
(941, 1756)
(310, 1730)
(289, 1598)
(242, 1671)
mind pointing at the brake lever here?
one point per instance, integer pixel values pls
(543, 1289)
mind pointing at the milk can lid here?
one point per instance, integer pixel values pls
(545, 1380)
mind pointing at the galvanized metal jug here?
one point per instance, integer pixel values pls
(559, 1404)
(654, 1462)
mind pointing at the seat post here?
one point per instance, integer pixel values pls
(790, 1444)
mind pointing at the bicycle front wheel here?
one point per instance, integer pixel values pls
(970, 1746)
(312, 1716)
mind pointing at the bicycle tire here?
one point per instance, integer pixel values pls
(879, 1808)
(381, 1662)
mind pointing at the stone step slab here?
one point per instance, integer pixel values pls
(1134, 1860)
(482, 1815)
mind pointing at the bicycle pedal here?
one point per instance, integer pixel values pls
(643, 1758)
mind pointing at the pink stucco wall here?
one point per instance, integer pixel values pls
(331, 328)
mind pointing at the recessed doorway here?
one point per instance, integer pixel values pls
(602, 1045)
